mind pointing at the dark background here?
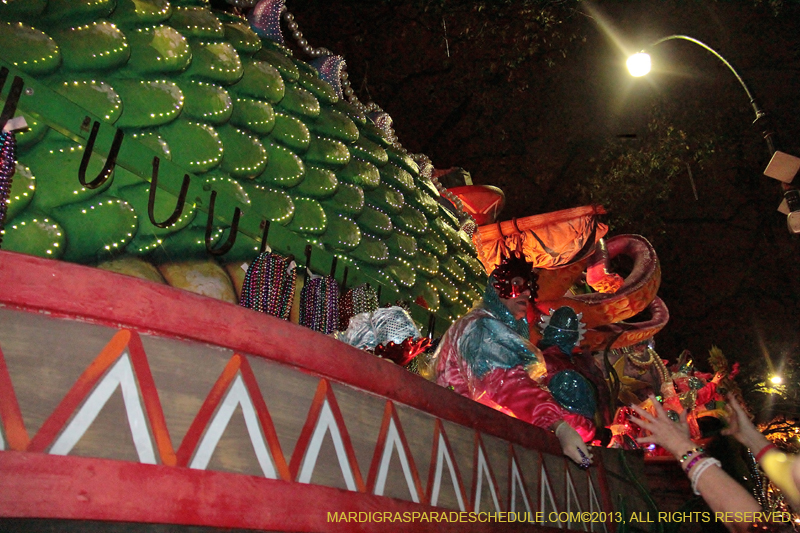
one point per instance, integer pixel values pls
(533, 97)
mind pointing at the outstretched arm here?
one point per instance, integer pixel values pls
(720, 491)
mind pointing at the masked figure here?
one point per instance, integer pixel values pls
(486, 356)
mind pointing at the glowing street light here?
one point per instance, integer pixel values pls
(783, 167)
(639, 64)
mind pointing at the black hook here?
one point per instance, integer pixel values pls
(379, 294)
(431, 325)
(151, 201)
(111, 161)
(265, 224)
(12, 99)
(308, 257)
(344, 278)
(222, 250)
(333, 266)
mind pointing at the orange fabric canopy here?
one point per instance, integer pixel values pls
(550, 240)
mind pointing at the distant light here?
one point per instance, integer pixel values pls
(639, 64)
(776, 380)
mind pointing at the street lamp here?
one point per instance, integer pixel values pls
(782, 166)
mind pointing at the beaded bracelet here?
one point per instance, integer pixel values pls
(701, 468)
(691, 452)
(764, 450)
(694, 460)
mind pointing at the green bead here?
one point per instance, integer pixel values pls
(341, 234)
(300, 102)
(35, 234)
(241, 37)
(309, 217)
(200, 146)
(318, 183)
(244, 156)
(206, 102)
(272, 204)
(140, 12)
(96, 46)
(261, 81)
(278, 60)
(216, 62)
(23, 187)
(28, 49)
(256, 116)
(387, 199)
(97, 228)
(147, 104)
(361, 173)
(284, 169)
(348, 200)
(292, 133)
(196, 22)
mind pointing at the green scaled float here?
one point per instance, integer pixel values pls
(140, 112)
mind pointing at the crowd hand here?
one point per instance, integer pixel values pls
(672, 436)
(741, 428)
(573, 446)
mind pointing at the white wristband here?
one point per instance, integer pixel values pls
(698, 470)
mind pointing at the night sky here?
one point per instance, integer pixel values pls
(731, 271)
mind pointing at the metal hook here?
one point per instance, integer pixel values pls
(431, 325)
(333, 266)
(111, 161)
(222, 250)
(151, 201)
(12, 99)
(265, 223)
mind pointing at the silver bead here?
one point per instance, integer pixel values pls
(303, 44)
(297, 35)
(345, 82)
(292, 26)
(348, 91)
(287, 16)
(345, 75)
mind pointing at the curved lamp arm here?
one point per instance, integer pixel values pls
(760, 114)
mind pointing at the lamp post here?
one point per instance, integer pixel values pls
(783, 167)
(639, 65)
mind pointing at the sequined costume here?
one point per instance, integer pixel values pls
(486, 356)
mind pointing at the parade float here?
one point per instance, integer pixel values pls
(189, 211)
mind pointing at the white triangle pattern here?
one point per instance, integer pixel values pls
(572, 496)
(326, 422)
(516, 481)
(443, 454)
(594, 506)
(393, 442)
(120, 375)
(237, 395)
(483, 471)
(547, 494)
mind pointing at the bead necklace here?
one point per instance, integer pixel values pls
(359, 299)
(8, 145)
(319, 303)
(269, 285)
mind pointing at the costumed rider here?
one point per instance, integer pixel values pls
(486, 356)
(573, 379)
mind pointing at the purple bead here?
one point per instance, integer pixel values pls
(265, 20)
